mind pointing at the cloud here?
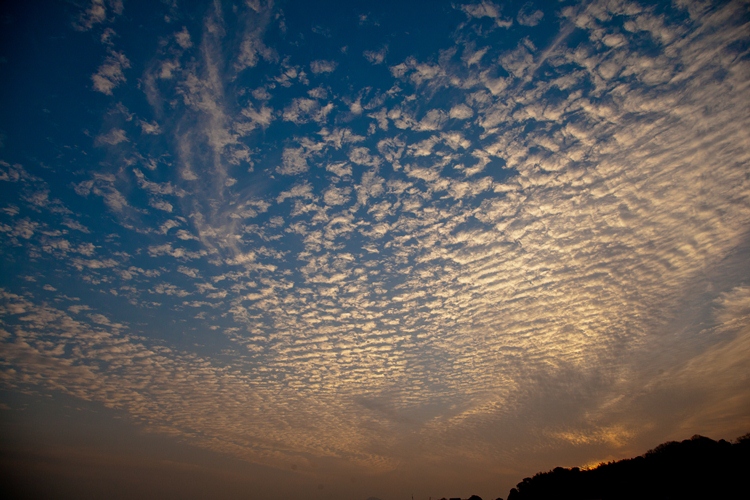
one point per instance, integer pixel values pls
(77, 309)
(75, 225)
(461, 112)
(110, 73)
(80, 264)
(375, 56)
(528, 18)
(112, 138)
(318, 93)
(261, 94)
(183, 38)
(473, 57)
(322, 66)
(96, 13)
(165, 188)
(193, 273)
(520, 244)
(12, 173)
(178, 253)
(336, 196)
(107, 36)
(151, 128)
(168, 69)
(262, 117)
(298, 191)
(294, 161)
(418, 72)
(432, 120)
(486, 9)
(252, 47)
(105, 186)
(306, 110)
(341, 169)
(161, 205)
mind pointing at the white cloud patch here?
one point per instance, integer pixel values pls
(161, 205)
(417, 72)
(183, 38)
(472, 57)
(150, 128)
(188, 271)
(322, 66)
(483, 9)
(375, 56)
(432, 120)
(362, 156)
(112, 138)
(256, 118)
(293, 162)
(298, 191)
(111, 73)
(461, 112)
(168, 69)
(96, 13)
(336, 196)
(486, 9)
(104, 185)
(304, 110)
(340, 168)
(527, 17)
(253, 48)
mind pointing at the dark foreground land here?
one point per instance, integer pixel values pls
(696, 468)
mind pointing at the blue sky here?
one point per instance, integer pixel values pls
(354, 249)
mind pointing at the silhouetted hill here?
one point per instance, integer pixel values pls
(698, 467)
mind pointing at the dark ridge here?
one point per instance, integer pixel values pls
(696, 468)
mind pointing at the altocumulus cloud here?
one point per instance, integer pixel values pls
(464, 253)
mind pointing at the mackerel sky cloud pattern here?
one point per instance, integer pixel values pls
(486, 236)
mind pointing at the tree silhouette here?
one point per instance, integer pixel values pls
(698, 467)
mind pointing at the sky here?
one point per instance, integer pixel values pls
(357, 249)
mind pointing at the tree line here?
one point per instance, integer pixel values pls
(696, 468)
